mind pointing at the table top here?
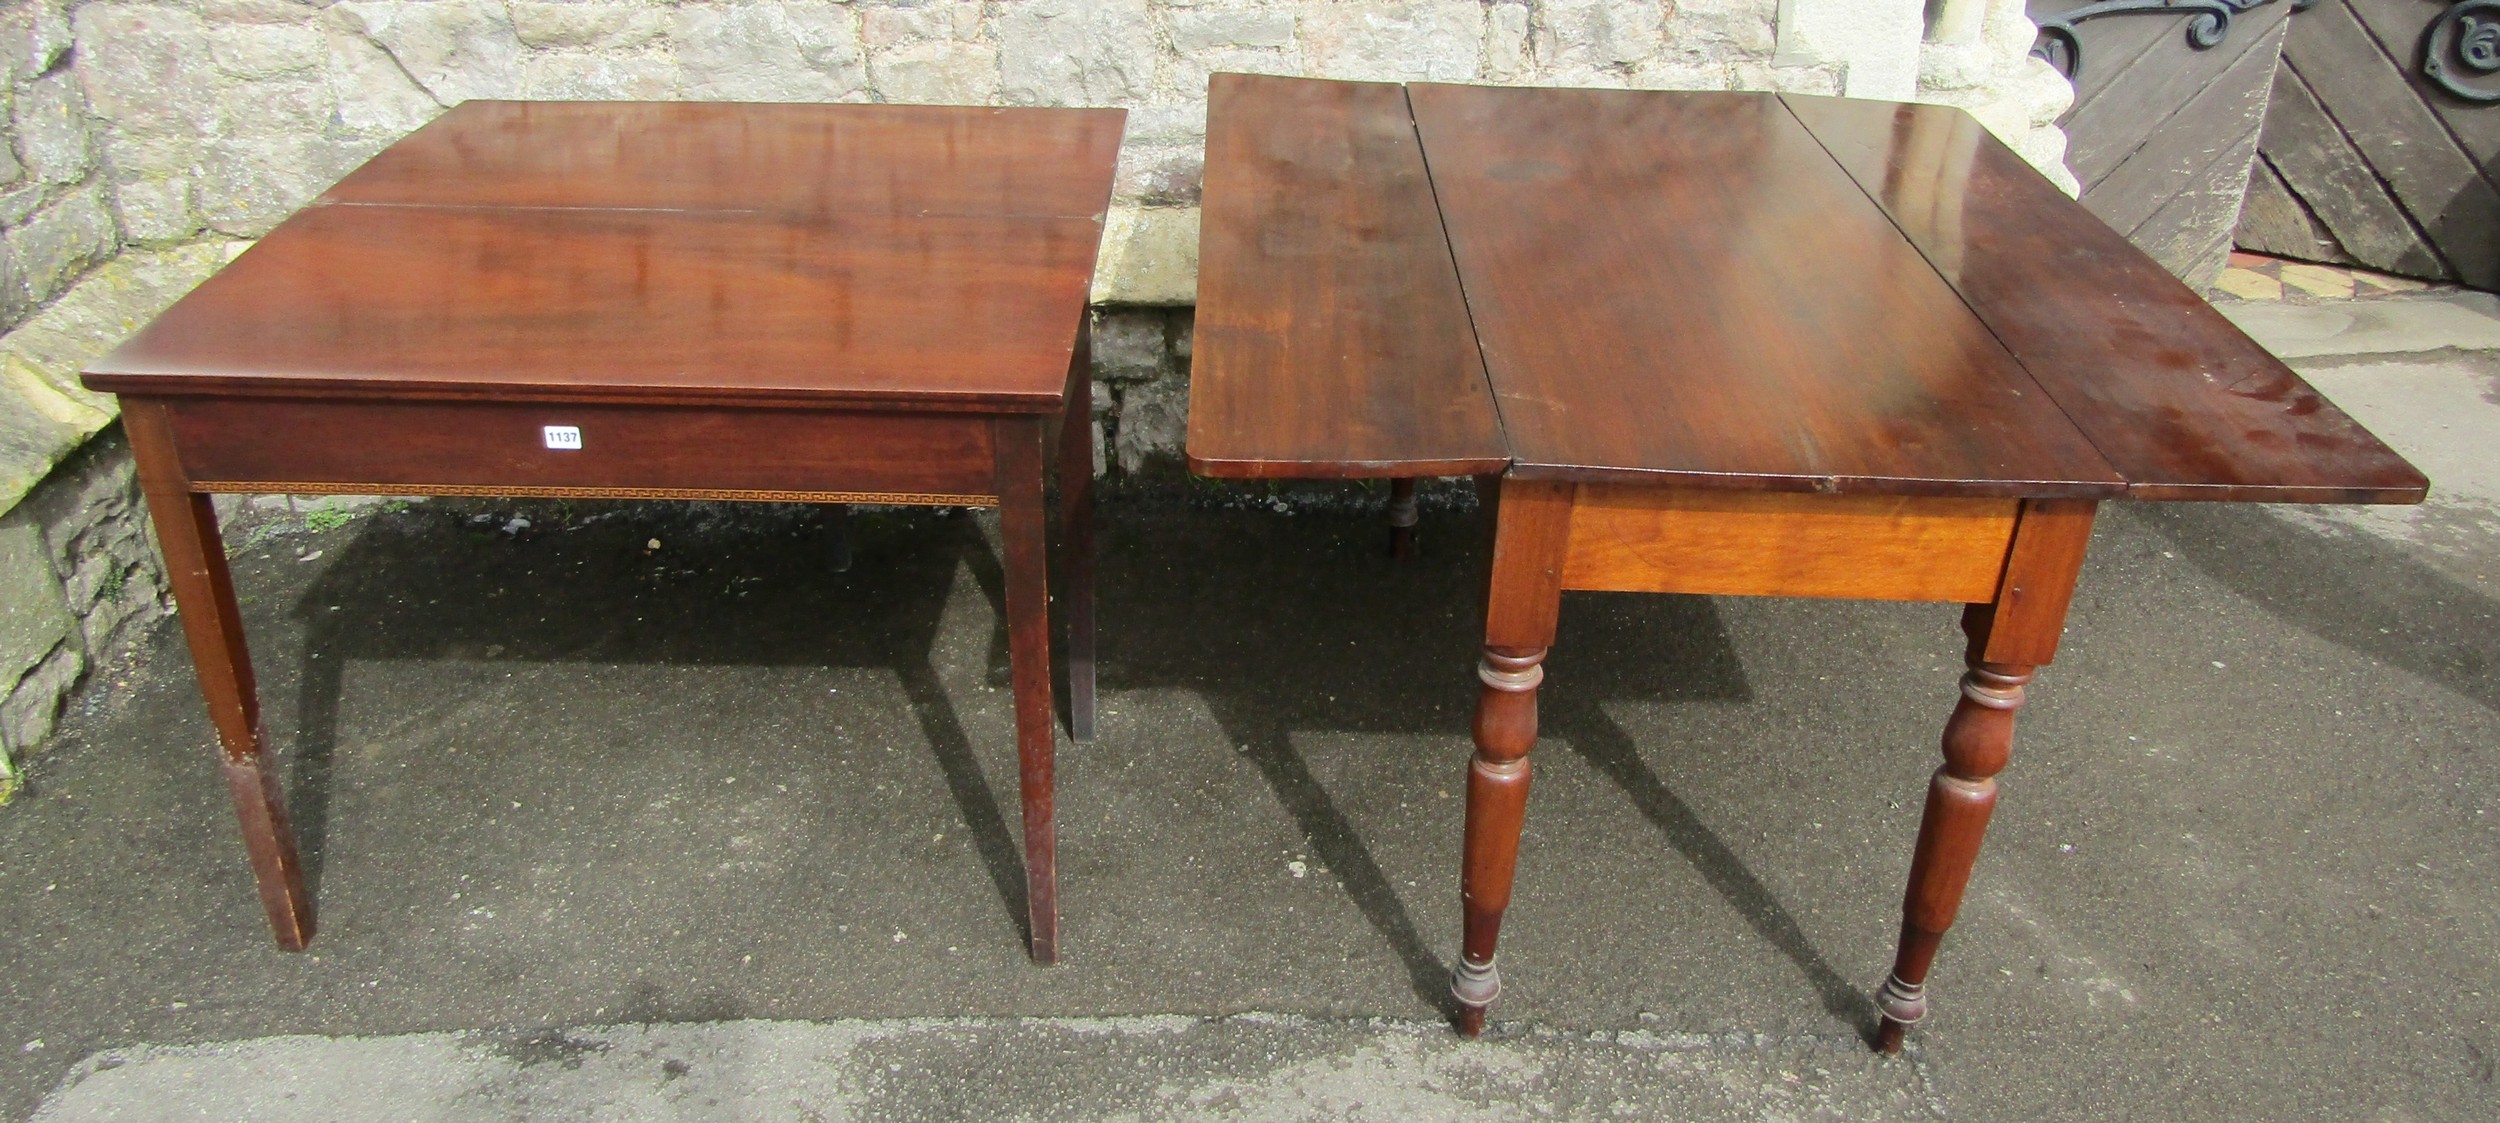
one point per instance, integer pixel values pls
(1722, 290)
(879, 256)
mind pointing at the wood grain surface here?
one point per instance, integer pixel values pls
(2179, 400)
(1723, 543)
(1682, 289)
(808, 161)
(1332, 339)
(630, 305)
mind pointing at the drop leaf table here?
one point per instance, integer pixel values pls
(1736, 344)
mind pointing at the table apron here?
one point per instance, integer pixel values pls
(625, 452)
(1725, 543)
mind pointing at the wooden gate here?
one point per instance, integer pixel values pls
(2169, 96)
(2379, 149)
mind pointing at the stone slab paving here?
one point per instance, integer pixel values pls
(1248, 1067)
(2460, 319)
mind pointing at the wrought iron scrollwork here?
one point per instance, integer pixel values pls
(2209, 22)
(2461, 52)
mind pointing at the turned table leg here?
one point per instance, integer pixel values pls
(1076, 533)
(1402, 517)
(1977, 741)
(195, 565)
(2009, 639)
(1020, 525)
(1521, 606)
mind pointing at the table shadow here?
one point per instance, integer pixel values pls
(754, 585)
(2352, 589)
(1286, 625)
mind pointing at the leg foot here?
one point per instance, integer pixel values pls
(1475, 985)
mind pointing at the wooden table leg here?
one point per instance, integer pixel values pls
(2008, 640)
(195, 565)
(1021, 521)
(1525, 595)
(1401, 518)
(1076, 533)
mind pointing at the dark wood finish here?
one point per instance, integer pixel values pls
(1331, 336)
(2010, 638)
(822, 304)
(1522, 601)
(195, 567)
(814, 162)
(1595, 230)
(1768, 346)
(630, 306)
(2180, 402)
(1076, 532)
(1021, 515)
(449, 445)
(2400, 172)
(2161, 133)
(1960, 797)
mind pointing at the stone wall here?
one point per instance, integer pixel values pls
(183, 128)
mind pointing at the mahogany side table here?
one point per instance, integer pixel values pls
(787, 303)
(1735, 344)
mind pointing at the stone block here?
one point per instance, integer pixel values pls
(51, 118)
(1075, 52)
(1189, 73)
(258, 11)
(936, 72)
(91, 318)
(1131, 345)
(372, 93)
(249, 185)
(34, 38)
(770, 52)
(1753, 74)
(585, 77)
(895, 25)
(1149, 256)
(30, 444)
(1202, 30)
(1744, 28)
(1595, 35)
(1171, 123)
(1153, 427)
(34, 611)
(1506, 41)
(156, 210)
(601, 26)
(1682, 74)
(95, 529)
(61, 241)
(1394, 40)
(1160, 175)
(248, 50)
(146, 69)
(34, 705)
(455, 49)
(291, 106)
